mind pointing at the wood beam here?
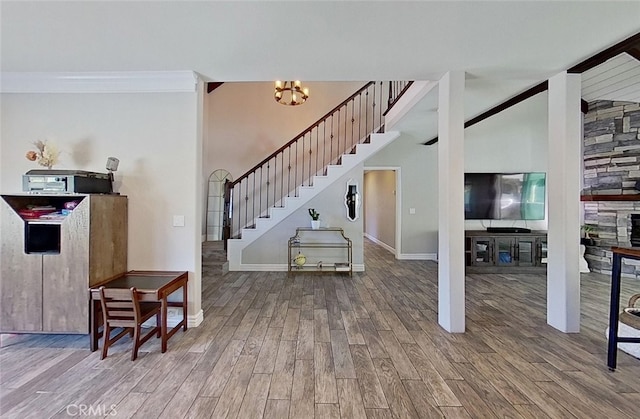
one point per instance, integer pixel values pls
(630, 45)
(211, 86)
(584, 106)
(626, 45)
(634, 52)
(501, 107)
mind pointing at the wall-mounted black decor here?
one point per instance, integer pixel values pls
(352, 200)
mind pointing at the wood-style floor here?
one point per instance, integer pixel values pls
(333, 346)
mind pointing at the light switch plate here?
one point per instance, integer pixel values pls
(412, 210)
(178, 220)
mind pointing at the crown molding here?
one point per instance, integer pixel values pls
(99, 82)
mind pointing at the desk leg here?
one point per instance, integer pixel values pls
(163, 327)
(93, 325)
(613, 312)
(184, 306)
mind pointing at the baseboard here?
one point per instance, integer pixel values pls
(174, 316)
(608, 273)
(380, 243)
(194, 320)
(403, 256)
(263, 267)
(418, 256)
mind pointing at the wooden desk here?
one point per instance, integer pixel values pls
(614, 307)
(151, 286)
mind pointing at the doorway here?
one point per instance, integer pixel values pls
(382, 206)
(215, 203)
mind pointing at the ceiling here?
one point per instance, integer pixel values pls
(616, 79)
(504, 47)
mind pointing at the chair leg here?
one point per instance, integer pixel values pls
(136, 343)
(158, 325)
(105, 346)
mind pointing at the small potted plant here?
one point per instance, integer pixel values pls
(315, 218)
(587, 240)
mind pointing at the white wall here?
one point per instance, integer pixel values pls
(244, 124)
(157, 139)
(513, 140)
(379, 208)
(271, 248)
(418, 163)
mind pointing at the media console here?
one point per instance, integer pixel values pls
(508, 230)
(506, 251)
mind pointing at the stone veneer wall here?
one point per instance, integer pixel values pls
(611, 148)
(611, 167)
(613, 229)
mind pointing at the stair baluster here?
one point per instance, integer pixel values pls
(328, 131)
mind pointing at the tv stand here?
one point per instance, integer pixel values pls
(506, 251)
(508, 230)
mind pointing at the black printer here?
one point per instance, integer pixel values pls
(66, 181)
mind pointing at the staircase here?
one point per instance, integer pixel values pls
(304, 167)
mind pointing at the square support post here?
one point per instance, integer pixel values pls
(451, 268)
(563, 184)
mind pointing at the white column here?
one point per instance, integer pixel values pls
(563, 184)
(451, 292)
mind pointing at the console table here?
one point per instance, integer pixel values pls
(614, 309)
(315, 240)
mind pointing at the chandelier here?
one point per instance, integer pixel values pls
(290, 93)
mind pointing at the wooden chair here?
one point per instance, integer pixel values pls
(121, 308)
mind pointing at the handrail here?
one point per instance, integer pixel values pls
(297, 137)
(394, 96)
(308, 154)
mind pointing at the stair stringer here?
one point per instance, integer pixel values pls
(235, 247)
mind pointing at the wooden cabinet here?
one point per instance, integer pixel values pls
(48, 264)
(505, 252)
(323, 250)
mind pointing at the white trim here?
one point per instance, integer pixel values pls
(262, 267)
(357, 267)
(407, 101)
(194, 320)
(380, 243)
(419, 256)
(273, 267)
(99, 82)
(174, 316)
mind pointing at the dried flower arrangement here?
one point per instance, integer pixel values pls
(47, 154)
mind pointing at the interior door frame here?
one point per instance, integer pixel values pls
(398, 186)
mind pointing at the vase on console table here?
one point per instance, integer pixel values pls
(584, 266)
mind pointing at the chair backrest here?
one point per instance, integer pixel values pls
(120, 307)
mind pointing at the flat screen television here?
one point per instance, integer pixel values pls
(504, 196)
